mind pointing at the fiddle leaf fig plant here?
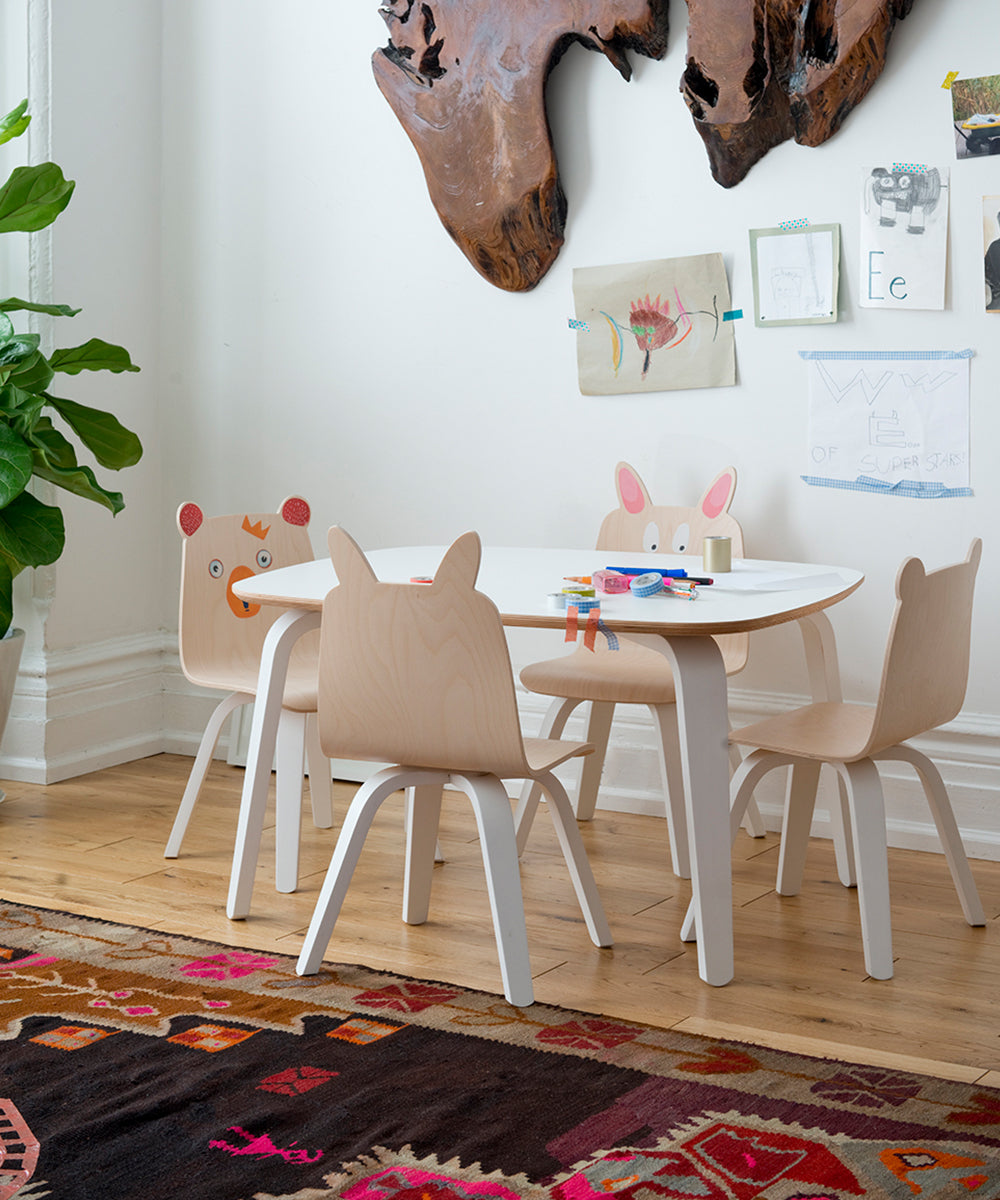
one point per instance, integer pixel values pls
(32, 446)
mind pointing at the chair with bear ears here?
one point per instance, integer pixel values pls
(924, 677)
(221, 638)
(637, 673)
(419, 675)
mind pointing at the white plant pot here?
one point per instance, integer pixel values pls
(11, 646)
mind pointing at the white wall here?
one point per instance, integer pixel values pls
(318, 332)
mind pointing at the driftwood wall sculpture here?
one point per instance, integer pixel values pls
(762, 71)
(466, 79)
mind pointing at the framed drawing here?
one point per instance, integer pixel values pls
(796, 275)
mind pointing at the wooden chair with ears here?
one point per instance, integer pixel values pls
(419, 675)
(221, 638)
(924, 676)
(637, 673)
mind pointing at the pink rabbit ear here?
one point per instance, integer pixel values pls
(295, 511)
(719, 493)
(189, 518)
(631, 490)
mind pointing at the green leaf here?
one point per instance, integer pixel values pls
(104, 435)
(14, 123)
(6, 328)
(95, 355)
(32, 534)
(15, 465)
(55, 461)
(33, 374)
(19, 408)
(13, 304)
(19, 348)
(33, 197)
(58, 450)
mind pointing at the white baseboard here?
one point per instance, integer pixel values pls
(81, 710)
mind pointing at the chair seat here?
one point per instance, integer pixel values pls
(828, 732)
(632, 674)
(542, 754)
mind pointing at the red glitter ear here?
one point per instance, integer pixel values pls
(295, 511)
(189, 518)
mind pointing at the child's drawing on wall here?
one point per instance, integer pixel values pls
(654, 326)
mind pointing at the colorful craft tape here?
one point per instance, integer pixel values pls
(647, 585)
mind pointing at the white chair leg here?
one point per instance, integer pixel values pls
(864, 790)
(753, 822)
(290, 749)
(947, 827)
(796, 826)
(747, 775)
(820, 644)
(497, 841)
(423, 815)
(199, 768)
(669, 749)
(357, 822)
(531, 793)
(577, 862)
(598, 731)
(320, 779)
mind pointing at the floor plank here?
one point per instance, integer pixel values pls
(94, 845)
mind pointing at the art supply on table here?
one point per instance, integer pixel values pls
(421, 579)
(557, 600)
(578, 589)
(610, 582)
(717, 554)
(664, 572)
(649, 584)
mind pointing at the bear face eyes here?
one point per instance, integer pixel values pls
(216, 569)
(264, 559)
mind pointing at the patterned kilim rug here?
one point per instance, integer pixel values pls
(148, 1066)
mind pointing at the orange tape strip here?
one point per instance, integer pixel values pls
(571, 612)
(590, 633)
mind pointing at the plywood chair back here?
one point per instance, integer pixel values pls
(639, 524)
(221, 636)
(926, 666)
(417, 674)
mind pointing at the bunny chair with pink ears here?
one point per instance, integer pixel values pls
(636, 672)
(221, 639)
(419, 675)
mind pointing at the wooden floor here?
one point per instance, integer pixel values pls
(94, 845)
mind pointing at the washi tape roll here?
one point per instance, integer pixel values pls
(585, 603)
(647, 585)
(579, 589)
(557, 600)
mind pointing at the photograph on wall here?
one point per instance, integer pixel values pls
(975, 111)
(904, 236)
(654, 326)
(991, 244)
(795, 275)
(894, 421)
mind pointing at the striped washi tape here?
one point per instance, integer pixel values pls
(647, 585)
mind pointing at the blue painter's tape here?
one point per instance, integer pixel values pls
(912, 489)
(734, 314)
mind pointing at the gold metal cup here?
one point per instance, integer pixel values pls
(717, 554)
